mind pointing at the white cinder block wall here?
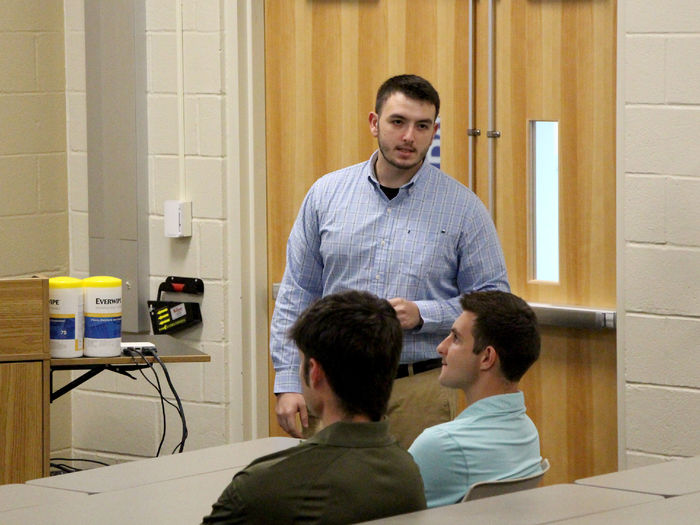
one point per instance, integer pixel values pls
(660, 273)
(115, 418)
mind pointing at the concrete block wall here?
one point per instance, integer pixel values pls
(661, 222)
(115, 418)
(33, 191)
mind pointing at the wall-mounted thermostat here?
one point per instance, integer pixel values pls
(178, 218)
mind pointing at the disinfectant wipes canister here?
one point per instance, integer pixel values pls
(103, 316)
(65, 317)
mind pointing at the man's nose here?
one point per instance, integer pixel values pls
(442, 347)
(408, 135)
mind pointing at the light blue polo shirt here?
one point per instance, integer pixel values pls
(491, 439)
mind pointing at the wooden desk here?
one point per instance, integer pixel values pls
(18, 496)
(179, 501)
(24, 379)
(670, 478)
(170, 350)
(670, 511)
(164, 468)
(541, 505)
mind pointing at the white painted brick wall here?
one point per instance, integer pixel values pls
(662, 139)
(683, 66)
(683, 211)
(644, 69)
(662, 280)
(659, 350)
(662, 16)
(660, 273)
(663, 420)
(113, 423)
(644, 193)
(205, 186)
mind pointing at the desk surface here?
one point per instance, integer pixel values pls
(179, 501)
(18, 496)
(170, 350)
(164, 468)
(670, 511)
(670, 478)
(541, 505)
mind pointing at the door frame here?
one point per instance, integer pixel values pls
(246, 322)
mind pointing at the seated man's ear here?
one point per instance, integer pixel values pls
(316, 373)
(488, 358)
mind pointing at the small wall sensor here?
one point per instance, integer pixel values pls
(178, 218)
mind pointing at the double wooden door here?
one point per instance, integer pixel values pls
(553, 60)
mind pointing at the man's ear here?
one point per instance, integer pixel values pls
(488, 358)
(316, 373)
(374, 123)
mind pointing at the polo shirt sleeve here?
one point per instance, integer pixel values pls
(442, 466)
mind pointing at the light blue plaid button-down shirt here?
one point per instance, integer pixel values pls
(429, 244)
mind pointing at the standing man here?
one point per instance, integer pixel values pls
(352, 470)
(401, 229)
(489, 348)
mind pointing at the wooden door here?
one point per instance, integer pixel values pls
(324, 62)
(555, 61)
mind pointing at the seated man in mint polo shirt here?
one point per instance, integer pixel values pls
(352, 470)
(491, 345)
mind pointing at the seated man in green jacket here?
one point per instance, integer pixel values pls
(352, 470)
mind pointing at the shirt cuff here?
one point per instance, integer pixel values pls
(287, 381)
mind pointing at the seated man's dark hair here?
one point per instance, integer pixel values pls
(357, 339)
(507, 323)
(412, 86)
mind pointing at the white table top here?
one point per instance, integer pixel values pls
(17, 496)
(679, 510)
(178, 501)
(670, 478)
(541, 505)
(164, 468)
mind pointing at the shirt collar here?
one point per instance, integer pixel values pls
(357, 435)
(503, 403)
(372, 176)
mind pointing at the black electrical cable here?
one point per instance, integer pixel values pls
(181, 410)
(82, 460)
(179, 407)
(158, 389)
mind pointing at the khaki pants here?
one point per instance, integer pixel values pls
(417, 402)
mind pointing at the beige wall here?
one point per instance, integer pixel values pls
(33, 184)
(659, 245)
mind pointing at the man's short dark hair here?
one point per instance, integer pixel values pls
(412, 86)
(507, 323)
(357, 339)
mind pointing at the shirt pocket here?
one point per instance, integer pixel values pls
(429, 256)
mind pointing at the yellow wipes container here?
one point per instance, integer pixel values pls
(103, 316)
(65, 317)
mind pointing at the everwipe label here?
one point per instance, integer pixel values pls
(103, 316)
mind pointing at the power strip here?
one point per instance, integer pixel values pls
(144, 347)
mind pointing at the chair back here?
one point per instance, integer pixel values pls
(485, 489)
